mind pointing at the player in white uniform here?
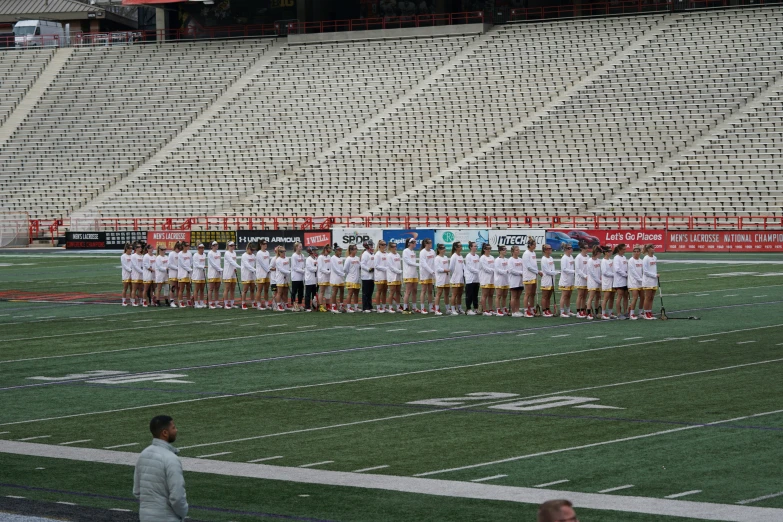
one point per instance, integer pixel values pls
(125, 261)
(607, 285)
(161, 272)
(620, 282)
(137, 275)
(472, 276)
(594, 282)
(174, 273)
(566, 283)
(530, 278)
(442, 287)
(487, 278)
(248, 264)
(501, 282)
(456, 278)
(214, 275)
(262, 276)
(410, 276)
(337, 279)
(297, 277)
(635, 266)
(516, 270)
(199, 277)
(393, 278)
(649, 280)
(352, 267)
(230, 267)
(324, 271)
(184, 274)
(547, 281)
(311, 279)
(426, 275)
(148, 273)
(380, 273)
(581, 264)
(366, 274)
(280, 268)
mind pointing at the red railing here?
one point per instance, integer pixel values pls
(389, 22)
(623, 7)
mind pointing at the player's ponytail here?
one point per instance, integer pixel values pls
(597, 250)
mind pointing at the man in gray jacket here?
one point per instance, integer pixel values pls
(158, 482)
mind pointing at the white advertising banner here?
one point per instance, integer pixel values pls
(356, 236)
(517, 236)
(448, 236)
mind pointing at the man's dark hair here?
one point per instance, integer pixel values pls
(159, 423)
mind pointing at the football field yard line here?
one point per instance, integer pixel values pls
(618, 488)
(417, 372)
(363, 470)
(437, 487)
(553, 483)
(266, 458)
(493, 477)
(595, 444)
(313, 464)
(759, 499)
(74, 442)
(122, 445)
(683, 494)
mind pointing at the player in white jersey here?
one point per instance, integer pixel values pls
(531, 277)
(410, 276)
(456, 278)
(367, 262)
(199, 276)
(547, 280)
(516, 271)
(442, 287)
(125, 261)
(324, 271)
(161, 272)
(148, 273)
(501, 282)
(607, 285)
(248, 264)
(566, 283)
(472, 276)
(487, 278)
(380, 273)
(262, 276)
(581, 265)
(620, 282)
(635, 266)
(337, 279)
(280, 268)
(214, 275)
(184, 274)
(352, 267)
(649, 280)
(174, 273)
(393, 278)
(297, 277)
(230, 267)
(426, 275)
(594, 282)
(137, 275)
(311, 279)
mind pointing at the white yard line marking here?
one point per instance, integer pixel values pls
(596, 444)
(266, 458)
(214, 455)
(249, 324)
(36, 437)
(120, 509)
(14, 496)
(632, 338)
(683, 494)
(460, 332)
(275, 325)
(307, 326)
(442, 488)
(595, 337)
(92, 318)
(493, 477)
(432, 370)
(141, 320)
(122, 445)
(708, 340)
(618, 488)
(746, 342)
(731, 295)
(765, 295)
(525, 334)
(368, 328)
(702, 295)
(65, 503)
(566, 335)
(74, 442)
(53, 316)
(563, 481)
(397, 330)
(427, 331)
(759, 499)
(370, 469)
(4, 432)
(316, 464)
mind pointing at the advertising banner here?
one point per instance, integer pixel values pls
(724, 241)
(168, 238)
(103, 240)
(610, 237)
(516, 236)
(287, 238)
(464, 235)
(208, 236)
(356, 236)
(400, 236)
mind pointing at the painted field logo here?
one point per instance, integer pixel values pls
(448, 237)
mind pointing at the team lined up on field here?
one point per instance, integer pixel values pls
(603, 278)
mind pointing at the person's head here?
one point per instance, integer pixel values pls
(426, 244)
(440, 249)
(127, 248)
(619, 249)
(137, 248)
(472, 246)
(249, 248)
(352, 250)
(597, 250)
(313, 251)
(557, 511)
(584, 248)
(515, 251)
(531, 244)
(393, 247)
(502, 249)
(486, 248)
(368, 246)
(637, 251)
(214, 246)
(568, 250)
(149, 249)
(231, 246)
(338, 250)
(649, 249)
(607, 252)
(410, 243)
(200, 248)
(162, 427)
(262, 245)
(280, 251)
(382, 246)
(177, 246)
(298, 247)
(456, 248)
(185, 246)
(547, 250)
(161, 250)
(327, 250)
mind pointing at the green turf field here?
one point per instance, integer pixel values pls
(628, 412)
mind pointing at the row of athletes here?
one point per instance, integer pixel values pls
(321, 280)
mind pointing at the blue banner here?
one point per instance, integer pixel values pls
(401, 236)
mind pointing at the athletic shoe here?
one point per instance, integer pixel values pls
(436, 312)
(517, 314)
(528, 314)
(648, 316)
(487, 314)
(390, 311)
(565, 316)
(590, 317)
(124, 304)
(471, 312)
(547, 313)
(351, 311)
(633, 317)
(381, 310)
(145, 305)
(605, 317)
(173, 305)
(612, 316)
(335, 311)
(307, 310)
(454, 312)
(322, 308)
(424, 312)
(367, 311)
(499, 314)
(244, 306)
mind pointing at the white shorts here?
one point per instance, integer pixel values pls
(591, 285)
(634, 284)
(137, 276)
(126, 275)
(173, 274)
(580, 282)
(198, 275)
(649, 282)
(248, 277)
(161, 277)
(183, 274)
(148, 276)
(607, 284)
(230, 275)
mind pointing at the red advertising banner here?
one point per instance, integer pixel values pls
(725, 241)
(630, 237)
(167, 237)
(317, 239)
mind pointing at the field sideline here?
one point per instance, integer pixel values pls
(380, 417)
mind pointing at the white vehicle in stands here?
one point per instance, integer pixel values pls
(38, 33)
